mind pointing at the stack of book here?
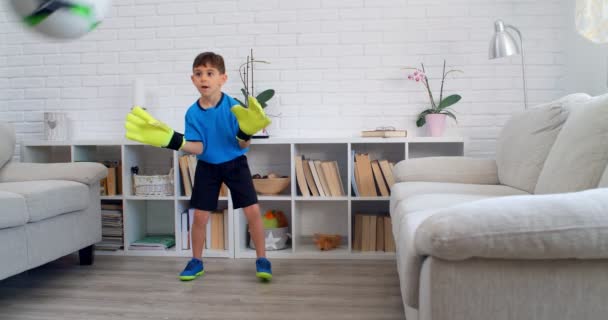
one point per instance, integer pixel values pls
(111, 227)
(318, 178)
(216, 234)
(154, 242)
(373, 233)
(187, 169)
(371, 178)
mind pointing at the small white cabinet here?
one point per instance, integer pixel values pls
(306, 215)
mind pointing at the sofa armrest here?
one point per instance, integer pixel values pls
(83, 172)
(447, 169)
(556, 226)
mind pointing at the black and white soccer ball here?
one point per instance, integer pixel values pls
(65, 19)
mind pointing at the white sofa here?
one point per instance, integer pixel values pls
(524, 236)
(46, 210)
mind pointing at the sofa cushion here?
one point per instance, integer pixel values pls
(14, 210)
(403, 190)
(49, 198)
(554, 226)
(7, 142)
(526, 139)
(579, 155)
(427, 202)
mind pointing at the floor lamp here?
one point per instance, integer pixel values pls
(503, 45)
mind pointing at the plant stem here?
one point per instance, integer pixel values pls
(252, 92)
(442, 80)
(428, 87)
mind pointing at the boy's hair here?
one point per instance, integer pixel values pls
(210, 59)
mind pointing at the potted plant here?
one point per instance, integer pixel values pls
(436, 114)
(246, 74)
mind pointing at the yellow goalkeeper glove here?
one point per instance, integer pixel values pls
(142, 127)
(251, 120)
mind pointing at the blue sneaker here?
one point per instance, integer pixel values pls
(263, 269)
(194, 268)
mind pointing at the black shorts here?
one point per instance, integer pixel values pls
(208, 180)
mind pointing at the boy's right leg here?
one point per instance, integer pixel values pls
(195, 268)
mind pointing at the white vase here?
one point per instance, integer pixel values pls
(55, 126)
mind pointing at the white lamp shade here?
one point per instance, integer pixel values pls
(591, 20)
(502, 43)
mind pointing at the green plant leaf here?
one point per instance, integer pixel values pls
(448, 101)
(265, 95)
(421, 120)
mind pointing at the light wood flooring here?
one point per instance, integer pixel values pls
(147, 288)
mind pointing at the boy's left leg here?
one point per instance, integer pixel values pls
(256, 230)
(237, 177)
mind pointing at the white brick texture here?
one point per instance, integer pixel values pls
(336, 65)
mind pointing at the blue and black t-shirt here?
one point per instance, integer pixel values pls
(216, 128)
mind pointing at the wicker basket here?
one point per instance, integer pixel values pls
(270, 186)
(156, 185)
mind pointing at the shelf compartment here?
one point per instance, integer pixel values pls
(434, 149)
(150, 161)
(181, 238)
(324, 152)
(271, 158)
(111, 157)
(375, 213)
(326, 217)
(242, 234)
(46, 154)
(148, 217)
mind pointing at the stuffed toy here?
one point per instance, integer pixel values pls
(327, 241)
(274, 219)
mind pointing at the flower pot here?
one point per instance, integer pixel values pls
(435, 124)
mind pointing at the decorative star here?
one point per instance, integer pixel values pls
(271, 242)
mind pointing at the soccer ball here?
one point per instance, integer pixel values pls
(64, 19)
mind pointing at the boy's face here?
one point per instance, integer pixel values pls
(208, 80)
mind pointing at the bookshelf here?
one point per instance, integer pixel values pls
(306, 215)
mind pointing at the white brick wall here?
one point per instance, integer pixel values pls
(336, 64)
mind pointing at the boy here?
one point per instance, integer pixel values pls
(218, 131)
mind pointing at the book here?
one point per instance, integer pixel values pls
(367, 187)
(387, 172)
(316, 178)
(153, 242)
(322, 178)
(379, 179)
(310, 181)
(384, 133)
(380, 233)
(183, 169)
(300, 178)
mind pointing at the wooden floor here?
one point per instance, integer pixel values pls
(148, 288)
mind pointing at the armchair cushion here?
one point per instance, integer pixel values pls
(14, 210)
(579, 155)
(49, 198)
(447, 169)
(83, 172)
(557, 226)
(7, 142)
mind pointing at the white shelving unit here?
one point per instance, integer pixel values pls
(306, 215)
